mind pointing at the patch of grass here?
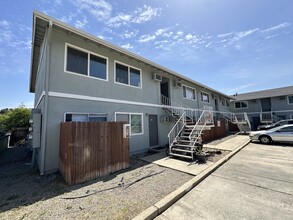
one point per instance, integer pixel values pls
(13, 197)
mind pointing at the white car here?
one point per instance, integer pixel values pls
(282, 133)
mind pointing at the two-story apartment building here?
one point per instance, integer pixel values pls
(78, 77)
(265, 106)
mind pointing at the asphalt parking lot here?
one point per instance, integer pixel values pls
(257, 183)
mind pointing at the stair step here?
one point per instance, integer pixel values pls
(181, 145)
(181, 150)
(184, 141)
(186, 132)
(180, 155)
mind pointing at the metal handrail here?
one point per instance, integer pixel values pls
(247, 119)
(176, 130)
(195, 126)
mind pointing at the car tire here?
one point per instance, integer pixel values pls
(265, 139)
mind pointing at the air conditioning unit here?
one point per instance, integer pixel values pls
(157, 77)
(178, 83)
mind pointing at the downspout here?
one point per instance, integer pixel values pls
(46, 97)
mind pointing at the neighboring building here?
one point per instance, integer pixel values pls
(78, 77)
(265, 106)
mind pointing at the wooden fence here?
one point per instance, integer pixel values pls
(4, 142)
(91, 149)
(215, 132)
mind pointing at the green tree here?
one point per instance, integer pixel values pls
(18, 117)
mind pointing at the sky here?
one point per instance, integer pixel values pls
(233, 46)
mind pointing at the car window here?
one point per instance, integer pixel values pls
(290, 122)
(287, 129)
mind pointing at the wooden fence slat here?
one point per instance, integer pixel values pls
(91, 149)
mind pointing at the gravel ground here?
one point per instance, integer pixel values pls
(122, 195)
(24, 194)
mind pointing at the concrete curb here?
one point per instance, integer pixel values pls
(165, 203)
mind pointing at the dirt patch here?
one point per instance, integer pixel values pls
(122, 195)
(215, 155)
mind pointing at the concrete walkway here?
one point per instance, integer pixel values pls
(194, 168)
(257, 183)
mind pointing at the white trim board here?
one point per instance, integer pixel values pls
(92, 98)
(40, 99)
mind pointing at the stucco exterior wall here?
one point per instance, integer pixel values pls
(75, 85)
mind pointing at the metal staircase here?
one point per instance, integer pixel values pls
(240, 119)
(185, 137)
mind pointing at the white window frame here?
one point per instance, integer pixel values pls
(240, 105)
(185, 90)
(288, 100)
(89, 53)
(129, 122)
(129, 66)
(201, 99)
(82, 113)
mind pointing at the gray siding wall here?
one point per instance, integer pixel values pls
(59, 106)
(75, 84)
(40, 79)
(280, 104)
(253, 106)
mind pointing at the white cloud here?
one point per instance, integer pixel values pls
(127, 46)
(225, 35)
(120, 19)
(68, 18)
(146, 13)
(272, 36)
(242, 34)
(5, 36)
(146, 38)
(4, 24)
(100, 9)
(140, 15)
(191, 38)
(129, 34)
(209, 45)
(81, 23)
(163, 32)
(279, 26)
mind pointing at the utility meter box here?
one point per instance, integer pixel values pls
(126, 131)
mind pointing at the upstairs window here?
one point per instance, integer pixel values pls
(227, 103)
(290, 99)
(188, 93)
(242, 104)
(205, 97)
(127, 75)
(85, 63)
